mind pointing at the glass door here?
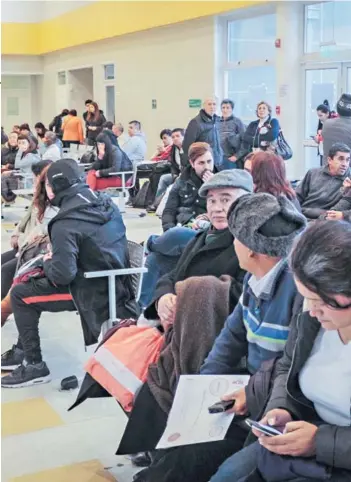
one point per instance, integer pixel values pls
(110, 103)
(346, 78)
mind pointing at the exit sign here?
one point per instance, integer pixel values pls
(195, 103)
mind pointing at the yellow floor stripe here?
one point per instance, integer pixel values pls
(27, 416)
(91, 471)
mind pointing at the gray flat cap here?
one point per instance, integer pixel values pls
(234, 178)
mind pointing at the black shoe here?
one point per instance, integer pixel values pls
(12, 359)
(26, 375)
(141, 459)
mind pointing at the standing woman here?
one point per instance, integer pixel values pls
(95, 121)
(72, 129)
(260, 134)
(40, 130)
(110, 159)
(323, 113)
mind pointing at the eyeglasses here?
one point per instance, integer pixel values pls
(330, 303)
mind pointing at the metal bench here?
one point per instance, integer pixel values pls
(136, 271)
(122, 191)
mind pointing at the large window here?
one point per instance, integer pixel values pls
(252, 39)
(248, 86)
(327, 27)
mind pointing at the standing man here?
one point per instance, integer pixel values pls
(338, 129)
(231, 129)
(135, 145)
(205, 128)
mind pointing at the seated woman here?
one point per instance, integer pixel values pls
(111, 159)
(311, 395)
(269, 175)
(165, 252)
(27, 155)
(32, 226)
(9, 153)
(260, 134)
(184, 203)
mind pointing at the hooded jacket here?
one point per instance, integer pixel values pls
(184, 202)
(88, 234)
(120, 162)
(135, 147)
(204, 128)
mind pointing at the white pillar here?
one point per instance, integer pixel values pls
(289, 81)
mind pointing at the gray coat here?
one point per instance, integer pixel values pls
(333, 443)
(336, 130)
(319, 191)
(230, 131)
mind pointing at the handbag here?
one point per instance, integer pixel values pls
(282, 147)
(120, 365)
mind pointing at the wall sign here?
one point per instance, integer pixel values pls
(195, 103)
(154, 104)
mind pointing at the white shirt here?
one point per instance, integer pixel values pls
(325, 378)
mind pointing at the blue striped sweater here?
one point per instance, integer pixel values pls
(258, 327)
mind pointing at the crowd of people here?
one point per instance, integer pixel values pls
(250, 276)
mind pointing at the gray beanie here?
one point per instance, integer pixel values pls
(235, 178)
(266, 224)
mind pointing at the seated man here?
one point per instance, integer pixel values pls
(163, 151)
(342, 210)
(52, 152)
(264, 229)
(320, 189)
(107, 129)
(166, 250)
(135, 145)
(88, 234)
(184, 203)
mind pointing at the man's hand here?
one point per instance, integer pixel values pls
(166, 309)
(6, 173)
(277, 418)
(14, 241)
(240, 407)
(207, 175)
(298, 440)
(47, 256)
(347, 183)
(97, 174)
(334, 215)
(232, 159)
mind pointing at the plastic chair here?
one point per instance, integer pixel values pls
(136, 271)
(122, 191)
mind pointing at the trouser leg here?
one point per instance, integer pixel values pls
(28, 301)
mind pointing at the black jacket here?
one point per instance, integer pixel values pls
(8, 156)
(112, 136)
(98, 123)
(200, 259)
(253, 139)
(120, 162)
(56, 125)
(184, 202)
(175, 167)
(333, 443)
(204, 128)
(88, 234)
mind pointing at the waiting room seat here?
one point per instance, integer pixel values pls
(137, 259)
(122, 191)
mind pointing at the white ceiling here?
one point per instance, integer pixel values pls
(29, 11)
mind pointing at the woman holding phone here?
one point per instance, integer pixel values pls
(311, 397)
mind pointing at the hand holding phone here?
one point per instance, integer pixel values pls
(221, 406)
(265, 429)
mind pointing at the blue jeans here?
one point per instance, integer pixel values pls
(164, 253)
(165, 181)
(238, 465)
(226, 164)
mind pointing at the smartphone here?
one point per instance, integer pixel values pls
(221, 406)
(266, 429)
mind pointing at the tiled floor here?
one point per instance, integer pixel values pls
(41, 441)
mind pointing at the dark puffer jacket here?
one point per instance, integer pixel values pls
(204, 128)
(8, 156)
(120, 162)
(254, 138)
(88, 234)
(184, 202)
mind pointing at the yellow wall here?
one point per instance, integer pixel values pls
(102, 20)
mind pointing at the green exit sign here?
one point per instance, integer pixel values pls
(195, 103)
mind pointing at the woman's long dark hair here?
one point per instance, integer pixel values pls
(321, 258)
(33, 144)
(269, 175)
(107, 160)
(96, 115)
(40, 125)
(325, 108)
(40, 199)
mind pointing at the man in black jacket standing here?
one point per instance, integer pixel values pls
(88, 234)
(205, 128)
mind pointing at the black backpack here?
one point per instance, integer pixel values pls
(144, 196)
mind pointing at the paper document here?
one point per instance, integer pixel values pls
(189, 421)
